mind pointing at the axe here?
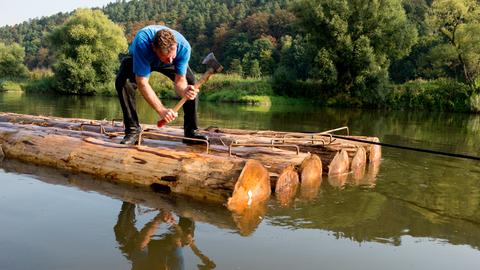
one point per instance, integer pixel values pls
(213, 67)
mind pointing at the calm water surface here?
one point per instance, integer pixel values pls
(421, 212)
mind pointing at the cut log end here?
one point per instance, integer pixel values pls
(375, 151)
(311, 170)
(2, 154)
(311, 177)
(287, 184)
(252, 187)
(340, 164)
(358, 164)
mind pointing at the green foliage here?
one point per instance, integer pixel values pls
(87, 48)
(236, 67)
(234, 88)
(350, 44)
(336, 52)
(11, 61)
(41, 85)
(441, 94)
(456, 23)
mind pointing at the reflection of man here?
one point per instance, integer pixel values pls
(164, 251)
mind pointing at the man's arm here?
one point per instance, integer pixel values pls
(183, 89)
(147, 92)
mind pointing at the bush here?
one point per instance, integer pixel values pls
(41, 85)
(441, 94)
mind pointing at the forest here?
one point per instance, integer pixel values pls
(381, 53)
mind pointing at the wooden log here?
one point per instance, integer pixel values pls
(340, 164)
(358, 164)
(375, 153)
(220, 139)
(287, 186)
(2, 155)
(339, 168)
(311, 169)
(310, 177)
(274, 159)
(198, 175)
(252, 188)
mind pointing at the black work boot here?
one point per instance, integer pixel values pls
(131, 138)
(194, 135)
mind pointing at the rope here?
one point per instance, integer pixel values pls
(409, 148)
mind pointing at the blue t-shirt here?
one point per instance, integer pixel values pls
(144, 58)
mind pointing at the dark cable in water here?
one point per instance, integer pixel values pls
(409, 148)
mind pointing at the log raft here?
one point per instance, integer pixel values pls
(91, 146)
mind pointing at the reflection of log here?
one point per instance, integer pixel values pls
(213, 214)
(250, 218)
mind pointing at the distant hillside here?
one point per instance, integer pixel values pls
(233, 29)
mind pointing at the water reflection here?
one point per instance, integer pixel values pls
(410, 196)
(148, 250)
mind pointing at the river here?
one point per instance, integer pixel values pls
(421, 212)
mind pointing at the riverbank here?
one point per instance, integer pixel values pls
(438, 95)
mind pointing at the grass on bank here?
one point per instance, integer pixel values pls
(441, 94)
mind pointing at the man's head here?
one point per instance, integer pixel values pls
(165, 46)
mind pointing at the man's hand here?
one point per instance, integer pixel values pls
(168, 115)
(190, 92)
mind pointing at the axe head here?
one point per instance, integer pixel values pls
(212, 63)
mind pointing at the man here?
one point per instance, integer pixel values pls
(157, 48)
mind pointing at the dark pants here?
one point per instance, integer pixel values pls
(127, 98)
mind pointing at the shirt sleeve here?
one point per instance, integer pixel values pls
(141, 66)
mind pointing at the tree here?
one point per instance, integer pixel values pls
(11, 61)
(457, 24)
(253, 69)
(236, 67)
(358, 39)
(87, 48)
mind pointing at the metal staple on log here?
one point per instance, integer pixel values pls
(235, 144)
(102, 129)
(173, 136)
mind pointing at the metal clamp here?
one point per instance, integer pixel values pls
(337, 129)
(173, 136)
(102, 129)
(272, 145)
(283, 140)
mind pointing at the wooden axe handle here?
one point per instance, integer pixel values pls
(197, 85)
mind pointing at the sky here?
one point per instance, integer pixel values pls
(17, 11)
